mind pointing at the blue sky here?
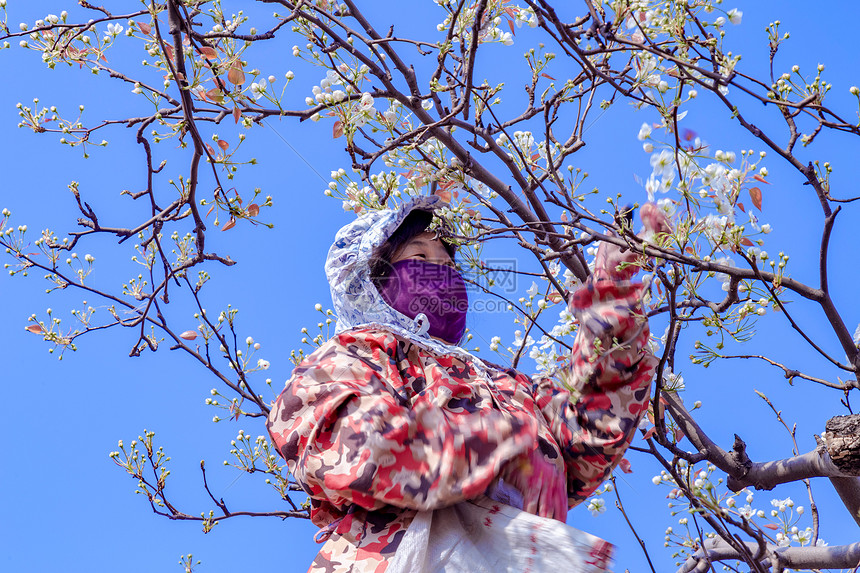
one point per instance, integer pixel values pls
(66, 505)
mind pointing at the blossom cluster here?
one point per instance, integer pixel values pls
(783, 519)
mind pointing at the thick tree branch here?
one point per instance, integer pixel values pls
(776, 558)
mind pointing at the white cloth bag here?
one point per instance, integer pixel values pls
(485, 536)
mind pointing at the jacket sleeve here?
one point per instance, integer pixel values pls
(610, 370)
(349, 437)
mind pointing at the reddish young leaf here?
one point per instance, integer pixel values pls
(650, 433)
(755, 195)
(209, 149)
(554, 297)
(188, 335)
(337, 129)
(771, 526)
(223, 144)
(168, 49)
(444, 194)
(746, 242)
(215, 95)
(208, 52)
(229, 224)
(548, 76)
(35, 329)
(679, 434)
(625, 466)
(741, 207)
(760, 178)
(236, 75)
(237, 114)
(144, 27)
(253, 209)
(511, 26)
(689, 250)
(209, 212)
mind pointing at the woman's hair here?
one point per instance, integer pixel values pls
(415, 223)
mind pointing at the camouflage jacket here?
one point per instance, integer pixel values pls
(375, 427)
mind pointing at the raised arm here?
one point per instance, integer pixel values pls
(610, 368)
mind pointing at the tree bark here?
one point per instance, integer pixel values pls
(843, 442)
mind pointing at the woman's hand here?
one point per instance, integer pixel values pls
(610, 256)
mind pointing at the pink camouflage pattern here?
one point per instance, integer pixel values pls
(376, 428)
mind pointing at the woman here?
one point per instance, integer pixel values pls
(390, 420)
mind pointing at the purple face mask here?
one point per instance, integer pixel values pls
(415, 286)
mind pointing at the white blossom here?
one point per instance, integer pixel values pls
(782, 504)
(663, 162)
(258, 88)
(518, 339)
(596, 506)
(366, 102)
(735, 16)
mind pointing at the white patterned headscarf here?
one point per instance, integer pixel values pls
(357, 302)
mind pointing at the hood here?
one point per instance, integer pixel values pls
(357, 302)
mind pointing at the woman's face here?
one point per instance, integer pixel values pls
(426, 246)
